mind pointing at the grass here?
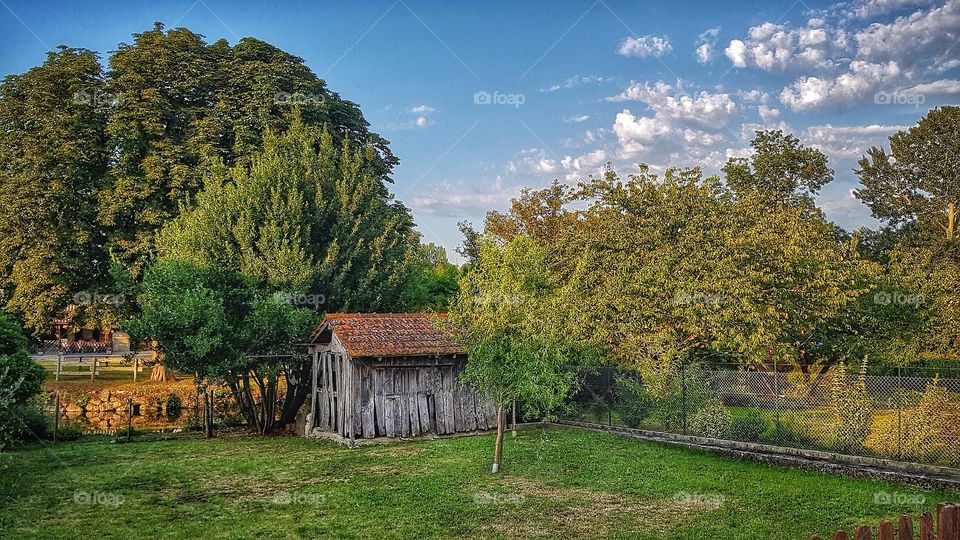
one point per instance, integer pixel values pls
(554, 483)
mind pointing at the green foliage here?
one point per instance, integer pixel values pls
(21, 381)
(712, 420)
(780, 171)
(433, 280)
(917, 180)
(633, 402)
(53, 159)
(851, 407)
(503, 313)
(305, 218)
(748, 427)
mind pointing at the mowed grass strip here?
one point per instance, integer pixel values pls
(555, 483)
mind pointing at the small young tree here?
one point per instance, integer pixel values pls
(503, 314)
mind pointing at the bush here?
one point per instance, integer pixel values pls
(712, 420)
(633, 402)
(21, 380)
(749, 427)
(69, 433)
(33, 423)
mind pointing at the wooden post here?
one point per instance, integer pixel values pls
(136, 367)
(498, 449)
(906, 527)
(56, 418)
(926, 526)
(862, 533)
(841, 535)
(513, 424)
(93, 369)
(129, 417)
(313, 395)
(885, 532)
(947, 526)
(59, 360)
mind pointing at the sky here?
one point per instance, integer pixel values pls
(481, 99)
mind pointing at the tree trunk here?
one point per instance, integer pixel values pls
(162, 373)
(297, 378)
(208, 412)
(498, 451)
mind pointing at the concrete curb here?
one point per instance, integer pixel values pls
(883, 469)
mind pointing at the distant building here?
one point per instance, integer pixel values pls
(391, 375)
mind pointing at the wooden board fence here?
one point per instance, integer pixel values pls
(948, 527)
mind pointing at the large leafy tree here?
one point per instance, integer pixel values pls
(915, 189)
(181, 100)
(304, 219)
(918, 180)
(780, 170)
(507, 316)
(53, 158)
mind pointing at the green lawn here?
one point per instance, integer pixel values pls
(555, 483)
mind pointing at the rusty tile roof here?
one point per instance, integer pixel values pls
(390, 334)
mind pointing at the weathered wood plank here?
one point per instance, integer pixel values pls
(863, 532)
(402, 376)
(423, 409)
(926, 526)
(905, 527)
(367, 400)
(469, 408)
(885, 532)
(413, 388)
(448, 383)
(380, 407)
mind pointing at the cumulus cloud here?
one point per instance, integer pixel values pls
(422, 109)
(645, 46)
(703, 108)
(848, 141)
(771, 46)
(706, 43)
(534, 162)
(856, 59)
(454, 199)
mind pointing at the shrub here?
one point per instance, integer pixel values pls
(669, 408)
(749, 427)
(21, 380)
(69, 433)
(712, 420)
(633, 402)
(852, 409)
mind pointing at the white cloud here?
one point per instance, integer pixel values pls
(874, 8)
(857, 85)
(577, 80)
(577, 119)
(706, 43)
(771, 46)
(422, 109)
(455, 199)
(768, 114)
(645, 46)
(848, 141)
(421, 121)
(703, 108)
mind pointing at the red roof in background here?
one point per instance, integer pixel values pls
(390, 334)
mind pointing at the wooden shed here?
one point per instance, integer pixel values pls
(390, 375)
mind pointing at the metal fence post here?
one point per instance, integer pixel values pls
(900, 404)
(683, 395)
(776, 397)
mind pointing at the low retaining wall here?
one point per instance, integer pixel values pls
(884, 469)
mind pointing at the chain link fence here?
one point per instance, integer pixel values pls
(909, 415)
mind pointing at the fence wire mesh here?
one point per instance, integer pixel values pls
(910, 415)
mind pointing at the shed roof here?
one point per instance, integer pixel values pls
(389, 334)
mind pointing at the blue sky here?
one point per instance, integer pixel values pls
(481, 99)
